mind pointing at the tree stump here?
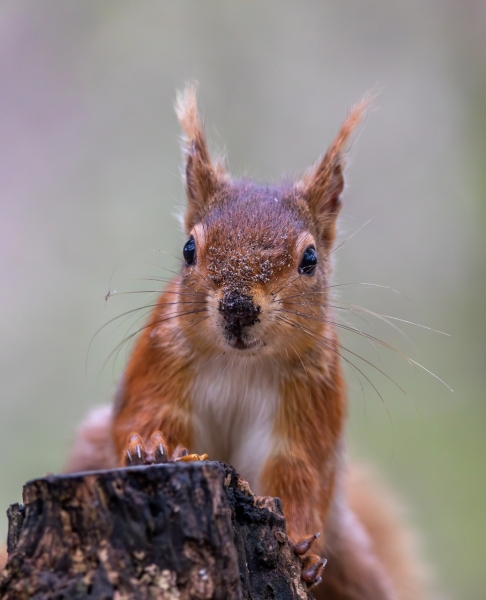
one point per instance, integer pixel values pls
(167, 532)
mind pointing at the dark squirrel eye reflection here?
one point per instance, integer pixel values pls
(189, 251)
(309, 261)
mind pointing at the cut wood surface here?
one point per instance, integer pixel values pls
(170, 532)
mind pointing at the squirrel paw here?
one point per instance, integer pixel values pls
(159, 448)
(140, 453)
(312, 568)
(304, 545)
(312, 564)
(154, 451)
(135, 451)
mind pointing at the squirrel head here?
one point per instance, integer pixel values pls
(258, 257)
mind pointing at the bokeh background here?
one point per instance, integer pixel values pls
(89, 183)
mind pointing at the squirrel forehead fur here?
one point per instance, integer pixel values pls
(249, 233)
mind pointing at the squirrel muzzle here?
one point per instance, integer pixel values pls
(239, 311)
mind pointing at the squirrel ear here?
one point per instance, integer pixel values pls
(202, 177)
(323, 184)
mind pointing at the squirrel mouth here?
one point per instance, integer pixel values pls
(239, 343)
(237, 336)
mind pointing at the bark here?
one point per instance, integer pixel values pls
(165, 532)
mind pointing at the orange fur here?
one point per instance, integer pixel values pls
(154, 393)
(306, 458)
(243, 314)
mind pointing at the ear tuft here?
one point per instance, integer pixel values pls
(187, 113)
(322, 184)
(202, 177)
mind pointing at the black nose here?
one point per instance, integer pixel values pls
(239, 310)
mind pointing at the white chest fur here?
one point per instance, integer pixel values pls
(235, 402)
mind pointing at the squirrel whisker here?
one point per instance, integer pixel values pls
(274, 292)
(185, 326)
(335, 285)
(348, 361)
(151, 324)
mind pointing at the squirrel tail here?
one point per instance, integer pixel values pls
(394, 545)
(93, 448)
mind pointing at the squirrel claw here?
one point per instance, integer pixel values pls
(312, 573)
(159, 449)
(304, 545)
(135, 452)
(160, 455)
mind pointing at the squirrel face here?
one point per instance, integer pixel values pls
(258, 255)
(254, 247)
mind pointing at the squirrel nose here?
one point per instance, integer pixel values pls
(238, 309)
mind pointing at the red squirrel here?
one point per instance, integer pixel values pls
(240, 361)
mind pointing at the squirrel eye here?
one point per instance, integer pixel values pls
(309, 261)
(189, 251)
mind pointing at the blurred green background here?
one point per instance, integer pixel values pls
(89, 183)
